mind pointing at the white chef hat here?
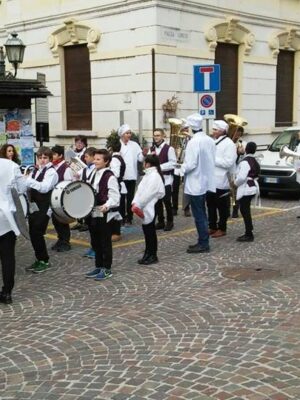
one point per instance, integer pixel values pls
(184, 123)
(220, 124)
(194, 121)
(123, 129)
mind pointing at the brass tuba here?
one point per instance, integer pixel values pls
(176, 138)
(235, 122)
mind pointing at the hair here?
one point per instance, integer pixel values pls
(153, 160)
(106, 155)
(90, 151)
(82, 138)
(3, 151)
(60, 150)
(250, 148)
(162, 131)
(45, 151)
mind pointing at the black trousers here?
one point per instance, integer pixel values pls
(218, 207)
(63, 230)
(150, 238)
(175, 191)
(167, 201)
(115, 227)
(38, 222)
(8, 260)
(245, 203)
(100, 232)
(126, 200)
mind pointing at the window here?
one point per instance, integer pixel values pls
(78, 88)
(284, 88)
(226, 100)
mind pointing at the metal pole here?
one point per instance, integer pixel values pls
(153, 89)
(140, 123)
(121, 117)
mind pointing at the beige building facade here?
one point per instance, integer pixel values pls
(141, 53)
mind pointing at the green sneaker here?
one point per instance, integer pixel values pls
(32, 266)
(41, 267)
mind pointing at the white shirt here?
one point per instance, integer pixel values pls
(241, 179)
(47, 184)
(149, 191)
(10, 176)
(68, 175)
(199, 164)
(113, 200)
(169, 165)
(131, 153)
(225, 161)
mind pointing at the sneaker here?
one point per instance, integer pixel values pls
(32, 266)
(90, 253)
(40, 267)
(160, 225)
(55, 246)
(5, 298)
(93, 274)
(103, 274)
(169, 226)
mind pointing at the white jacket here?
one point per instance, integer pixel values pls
(131, 153)
(150, 190)
(241, 179)
(10, 176)
(199, 165)
(225, 161)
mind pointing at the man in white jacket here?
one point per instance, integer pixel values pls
(198, 169)
(10, 176)
(218, 203)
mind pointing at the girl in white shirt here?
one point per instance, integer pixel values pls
(150, 190)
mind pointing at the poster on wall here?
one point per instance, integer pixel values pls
(16, 129)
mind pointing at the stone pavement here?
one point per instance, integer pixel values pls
(181, 329)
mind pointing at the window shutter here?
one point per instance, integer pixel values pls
(226, 100)
(284, 88)
(78, 88)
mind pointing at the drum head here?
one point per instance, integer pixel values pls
(78, 199)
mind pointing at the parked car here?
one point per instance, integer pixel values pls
(279, 174)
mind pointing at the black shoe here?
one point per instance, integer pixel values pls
(245, 238)
(63, 247)
(145, 256)
(198, 249)
(235, 214)
(150, 260)
(174, 212)
(191, 246)
(5, 298)
(83, 228)
(160, 225)
(169, 226)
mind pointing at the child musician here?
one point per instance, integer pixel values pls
(107, 208)
(40, 184)
(150, 190)
(64, 174)
(247, 188)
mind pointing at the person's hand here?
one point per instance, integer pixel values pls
(103, 208)
(136, 210)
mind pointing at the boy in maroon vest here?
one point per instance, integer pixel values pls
(64, 174)
(40, 184)
(168, 160)
(107, 208)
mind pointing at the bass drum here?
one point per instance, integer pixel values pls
(72, 200)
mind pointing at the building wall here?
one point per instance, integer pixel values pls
(180, 32)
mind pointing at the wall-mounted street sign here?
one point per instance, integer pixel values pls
(207, 78)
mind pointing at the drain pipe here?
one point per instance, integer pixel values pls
(153, 90)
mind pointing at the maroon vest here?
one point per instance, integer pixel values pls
(254, 170)
(102, 193)
(163, 157)
(42, 199)
(61, 171)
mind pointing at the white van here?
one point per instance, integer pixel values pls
(278, 174)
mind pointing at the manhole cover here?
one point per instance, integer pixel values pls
(255, 274)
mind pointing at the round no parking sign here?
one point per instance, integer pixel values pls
(207, 105)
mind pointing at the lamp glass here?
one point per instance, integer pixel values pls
(15, 49)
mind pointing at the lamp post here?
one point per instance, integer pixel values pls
(14, 48)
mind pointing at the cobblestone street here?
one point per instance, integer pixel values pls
(217, 326)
